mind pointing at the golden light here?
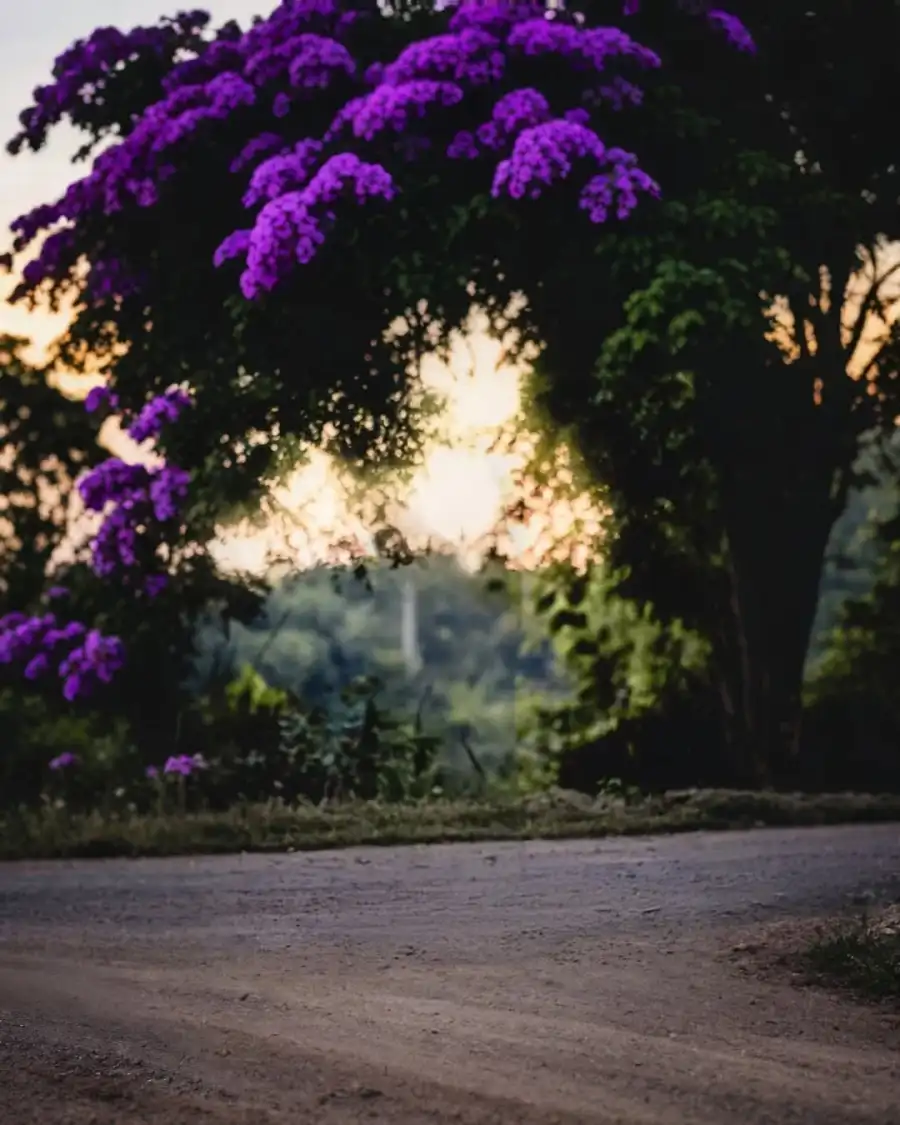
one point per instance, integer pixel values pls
(460, 494)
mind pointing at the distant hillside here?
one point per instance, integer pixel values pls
(435, 635)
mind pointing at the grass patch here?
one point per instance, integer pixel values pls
(56, 834)
(863, 956)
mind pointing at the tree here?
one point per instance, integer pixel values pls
(169, 282)
(852, 689)
(46, 441)
(727, 440)
(164, 249)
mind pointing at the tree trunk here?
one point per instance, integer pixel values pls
(776, 562)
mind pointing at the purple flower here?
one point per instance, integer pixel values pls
(263, 145)
(166, 407)
(298, 50)
(53, 638)
(542, 154)
(587, 48)
(283, 173)
(152, 772)
(394, 107)
(512, 113)
(36, 667)
(235, 245)
(98, 397)
(288, 229)
(307, 61)
(735, 32)
(135, 499)
(82, 71)
(55, 593)
(620, 185)
(63, 761)
(281, 106)
(154, 585)
(463, 146)
(497, 18)
(81, 657)
(184, 764)
(471, 55)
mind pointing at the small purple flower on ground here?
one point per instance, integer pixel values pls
(184, 764)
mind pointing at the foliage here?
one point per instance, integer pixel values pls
(176, 146)
(640, 711)
(478, 675)
(191, 117)
(727, 449)
(45, 443)
(274, 826)
(863, 956)
(623, 660)
(853, 718)
(248, 689)
(353, 749)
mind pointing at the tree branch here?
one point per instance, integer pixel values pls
(871, 302)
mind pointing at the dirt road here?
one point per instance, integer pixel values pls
(515, 984)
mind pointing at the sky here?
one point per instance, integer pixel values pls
(462, 488)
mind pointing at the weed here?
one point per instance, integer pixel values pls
(863, 955)
(277, 826)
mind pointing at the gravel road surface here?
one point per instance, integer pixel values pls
(511, 984)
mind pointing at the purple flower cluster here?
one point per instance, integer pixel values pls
(82, 71)
(184, 764)
(180, 765)
(83, 658)
(63, 761)
(135, 499)
(435, 74)
(734, 31)
(293, 48)
(166, 407)
(287, 229)
(298, 52)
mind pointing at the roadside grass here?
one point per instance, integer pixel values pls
(53, 833)
(862, 956)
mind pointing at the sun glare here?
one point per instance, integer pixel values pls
(456, 497)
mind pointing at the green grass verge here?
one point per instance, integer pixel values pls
(52, 834)
(863, 956)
